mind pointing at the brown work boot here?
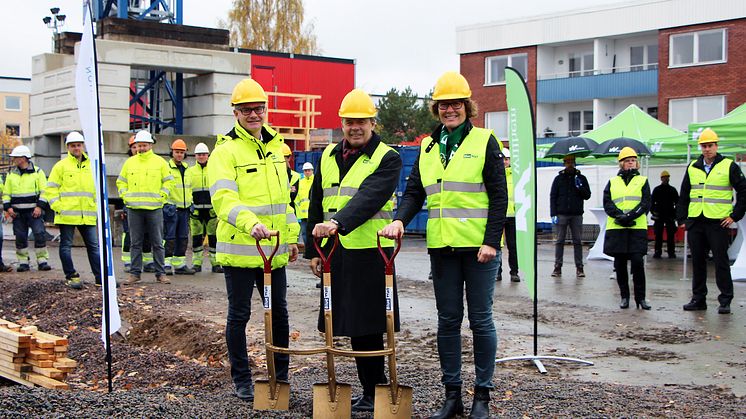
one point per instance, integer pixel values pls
(163, 279)
(579, 272)
(557, 272)
(132, 279)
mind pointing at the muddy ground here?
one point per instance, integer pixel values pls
(171, 360)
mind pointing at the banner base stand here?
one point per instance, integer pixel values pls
(536, 359)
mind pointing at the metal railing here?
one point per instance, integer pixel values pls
(596, 72)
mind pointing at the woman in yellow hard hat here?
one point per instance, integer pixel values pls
(627, 202)
(460, 171)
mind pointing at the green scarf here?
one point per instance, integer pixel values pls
(449, 143)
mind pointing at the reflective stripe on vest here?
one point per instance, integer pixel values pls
(626, 198)
(338, 192)
(457, 200)
(711, 194)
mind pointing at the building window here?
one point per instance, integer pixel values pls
(13, 130)
(681, 112)
(643, 58)
(580, 64)
(579, 122)
(697, 48)
(12, 103)
(495, 67)
(497, 122)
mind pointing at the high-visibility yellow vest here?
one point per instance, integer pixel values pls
(294, 177)
(457, 201)
(627, 197)
(23, 189)
(303, 199)
(337, 193)
(180, 193)
(145, 181)
(510, 212)
(249, 185)
(711, 194)
(71, 193)
(197, 178)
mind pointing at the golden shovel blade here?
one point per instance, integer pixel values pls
(325, 408)
(263, 396)
(395, 408)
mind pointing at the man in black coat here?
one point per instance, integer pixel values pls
(663, 210)
(358, 292)
(569, 189)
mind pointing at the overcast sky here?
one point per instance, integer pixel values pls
(396, 43)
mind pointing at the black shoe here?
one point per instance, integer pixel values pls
(499, 278)
(643, 305)
(480, 408)
(365, 404)
(430, 275)
(5, 268)
(624, 303)
(515, 278)
(318, 284)
(245, 393)
(197, 268)
(724, 309)
(452, 406)
(217, 269)
(672, 255)
(557, 272)
(44, 266)
(184, 270)
(695, 305)
(656, 255)
(23, 268)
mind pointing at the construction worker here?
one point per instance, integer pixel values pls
(663, 211)
(706, 209)
(72, 195)
(3, 266)
(203, 221)
(292, 174)
(303, 199)
(176, 212)
(460, 171)
(351, 196)
(251, 198)
(144, 184)
(23, 200)
(509, 230)
(147, 253)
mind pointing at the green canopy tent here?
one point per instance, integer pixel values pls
(731, 129)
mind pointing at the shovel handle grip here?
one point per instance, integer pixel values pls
(389, 262)
(268, 259)
(325, 258)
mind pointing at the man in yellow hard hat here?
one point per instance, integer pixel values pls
(176, 212)
(351, 197)
(706, 208)
(663, 210)
(250, 194)
(294, 176)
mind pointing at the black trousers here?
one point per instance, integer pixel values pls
(369, 369)
(509, 231)
(670, 226)
(707, 235)
(638, 274)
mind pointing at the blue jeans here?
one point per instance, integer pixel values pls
(90, 238)
(240, 283)
(303, 224)
(452, 273)
(175, 223)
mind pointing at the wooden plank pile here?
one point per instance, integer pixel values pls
(31, 357)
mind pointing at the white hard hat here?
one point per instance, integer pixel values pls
(21, 151)
(307, 166)
(201, 148)
(506, 152)
(144, 137)
(74, 137)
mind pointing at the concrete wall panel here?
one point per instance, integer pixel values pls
(209, 125)
(65, 99)
(212, 83)
(65, 121)
(43, 63)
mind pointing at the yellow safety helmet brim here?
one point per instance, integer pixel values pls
(248, 91)
(626, 153)
(708, 135)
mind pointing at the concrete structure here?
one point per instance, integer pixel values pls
(681, 61)
(14, 105)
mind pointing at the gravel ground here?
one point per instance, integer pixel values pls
(172, 363)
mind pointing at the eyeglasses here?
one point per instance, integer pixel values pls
(259, 110)
(443, 106)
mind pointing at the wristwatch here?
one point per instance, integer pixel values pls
(334, 221)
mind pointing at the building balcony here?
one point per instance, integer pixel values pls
(598, 86)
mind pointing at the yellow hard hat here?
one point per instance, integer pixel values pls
(708, 136)
(451, 85)
(665, 174)
(248, 91)
(626, 152)
(286, 151)
(357, 104)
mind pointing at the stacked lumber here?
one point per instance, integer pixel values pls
(31, 357)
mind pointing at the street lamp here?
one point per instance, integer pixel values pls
(55, 22)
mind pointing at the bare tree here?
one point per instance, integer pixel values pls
(271, 25)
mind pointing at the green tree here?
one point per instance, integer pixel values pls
(402, 116)
(270, 25)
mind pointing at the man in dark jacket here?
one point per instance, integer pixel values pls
(706, 208)
(569, 189)
(664, 214)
